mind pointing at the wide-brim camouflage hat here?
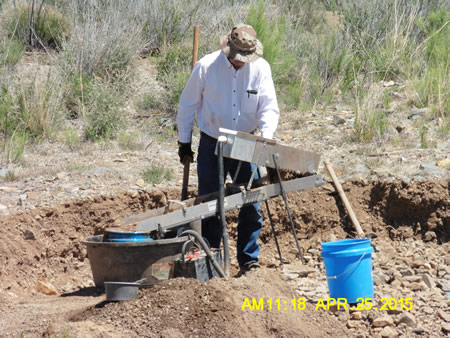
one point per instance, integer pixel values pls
(241, 44)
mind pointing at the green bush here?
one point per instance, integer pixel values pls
(156, 175)
(77, 90)
(174, 69)
(106, 36)
(432, 87)
(41, 26)
(166, 22)
(104, 117)
(271, 33)
(38, 108)
(33, 108)
(11, 52)
(129, 141)
(71, 139)
(15, 146)
(148, 103)
(370, 125)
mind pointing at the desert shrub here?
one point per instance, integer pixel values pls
(10, 176)
(370, 124)
(11, 51)
(168, 21)
(33, 108)
(148, 103)
(15, 146)
(104, 117)
(38, 25)
(156, 174)
(39, 109)
(130, 141)
(106, 35)
(432, 87)
(271, 33)
(174, 69)
(71, 139)
(13, 139)
(76, 91)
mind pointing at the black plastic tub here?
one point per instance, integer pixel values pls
(152, 261)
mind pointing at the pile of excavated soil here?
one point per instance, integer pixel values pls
(45, 271)
(189, 307)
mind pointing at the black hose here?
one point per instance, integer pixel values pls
(205, 247)
(226, 253)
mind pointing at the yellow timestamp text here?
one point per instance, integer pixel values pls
(295, 304)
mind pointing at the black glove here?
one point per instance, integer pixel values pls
(185, 152)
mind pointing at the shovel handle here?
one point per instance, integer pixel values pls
(347, 205)
(184, 189)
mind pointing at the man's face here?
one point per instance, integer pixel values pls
(236, 64)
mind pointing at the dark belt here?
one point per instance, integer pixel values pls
(209, 138)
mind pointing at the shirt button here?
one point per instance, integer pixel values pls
(234, 91)
(234, 105)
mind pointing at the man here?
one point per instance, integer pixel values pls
(231, 88)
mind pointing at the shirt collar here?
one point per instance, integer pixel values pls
(228, 63)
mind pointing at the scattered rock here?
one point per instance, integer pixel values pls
(29, 235)
(445, 286)
(356, 315)
(140, 183)
(382, 321)
(380, 278)
(46, 288)
(388, 332)
(413, 279)
(415, 286)
(443, 315)
(444, 162)
(446, 327)
(337, 120)
(407, 318)
(428, 280)
(427, 310)
(407, 272)
(298, 270)
(429, 236)
(286, 138)
(343, 316)
(428, 166)
(352, 324)
(419, 330)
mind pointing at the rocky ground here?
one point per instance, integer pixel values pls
(399, 192)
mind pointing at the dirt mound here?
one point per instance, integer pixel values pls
(186, 307)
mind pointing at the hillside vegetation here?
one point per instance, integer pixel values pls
(360, 55)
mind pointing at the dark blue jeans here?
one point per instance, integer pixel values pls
(249, 219)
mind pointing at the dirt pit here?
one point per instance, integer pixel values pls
(46, 285)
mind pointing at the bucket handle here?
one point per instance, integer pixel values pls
(350, 268)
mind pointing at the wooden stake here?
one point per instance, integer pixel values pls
(344, 199)
(187, 162)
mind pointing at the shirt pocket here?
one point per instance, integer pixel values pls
(249, 103)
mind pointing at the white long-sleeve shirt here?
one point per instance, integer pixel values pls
(223, 97)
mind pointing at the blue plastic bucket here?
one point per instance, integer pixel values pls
(348, 265)
(126, 236)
